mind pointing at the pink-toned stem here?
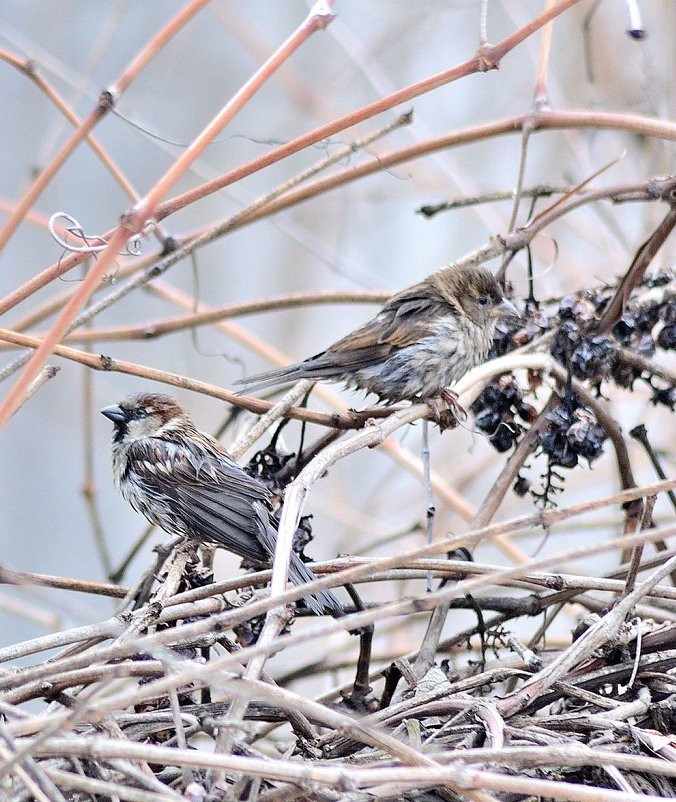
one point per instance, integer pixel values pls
(79, 298)
(318, 17)
(486, 59)
(104, 105)
(29, 69)
(134, 222)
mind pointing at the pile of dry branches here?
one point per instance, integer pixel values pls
(476, 713)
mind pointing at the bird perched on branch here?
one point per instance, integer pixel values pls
(425, 338)
(183, 480)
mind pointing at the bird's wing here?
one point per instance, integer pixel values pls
(404, 319)
(206, 490)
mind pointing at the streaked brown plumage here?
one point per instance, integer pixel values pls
(425, 338)
(183, 480)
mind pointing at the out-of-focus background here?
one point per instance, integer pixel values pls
(364, 235)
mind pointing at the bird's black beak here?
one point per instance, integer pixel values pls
(115, 413)
(507, 309)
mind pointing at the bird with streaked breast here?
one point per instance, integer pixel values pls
(183, 480)
(424, 339)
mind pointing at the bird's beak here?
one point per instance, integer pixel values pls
(115, 413)
(507, 309)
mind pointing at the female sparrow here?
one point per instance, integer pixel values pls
(183, 480)
(424, 338)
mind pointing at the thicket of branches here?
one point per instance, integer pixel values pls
(468, 665)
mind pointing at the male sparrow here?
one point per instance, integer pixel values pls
(183, 480)
(424, 338)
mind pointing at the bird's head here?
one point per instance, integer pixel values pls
(145, 415)
(475, 293)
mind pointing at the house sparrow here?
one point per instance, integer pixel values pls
(182, 480)
(424, 338)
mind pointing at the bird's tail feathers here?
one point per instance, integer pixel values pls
(320, 602)
(271, 378)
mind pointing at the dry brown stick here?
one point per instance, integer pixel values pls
(111, 655)
(61, 681)
(646, 519)
(103, 106)
(185, 605)
(108, 789)
(487, 58)
(29, 68)
(47, 373)
(237, 686)
(634, 509)
(155, 329)
(640, 434)
(275, 622)
(9, 576)
(106, 363)
(214, 671)
(291, 397)
(336, 744)
(30, 785)
(464, 201)
(179, 730)
(594, 637)
(353, 420)
(417, 604)
(631, 279)
(189, 246)
(546, 120)
(106, 629)
(136, 219)
(104, 749)
(88, 482)
(44, 310)
(646, 365)
(44, 787)
(429, 645)
(113, 626)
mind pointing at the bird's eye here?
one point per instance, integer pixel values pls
(482, 300)
(142, 412)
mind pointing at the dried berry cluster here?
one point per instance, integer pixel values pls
(648, 324)
(496, 410)
(621, 357)
(572, 432)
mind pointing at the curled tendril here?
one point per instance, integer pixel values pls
(91, 243)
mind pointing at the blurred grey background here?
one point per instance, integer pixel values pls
(364, 235)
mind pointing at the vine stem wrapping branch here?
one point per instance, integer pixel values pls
(134, 222)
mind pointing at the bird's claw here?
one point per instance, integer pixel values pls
(446, 410)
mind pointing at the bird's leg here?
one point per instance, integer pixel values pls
(446, 410)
